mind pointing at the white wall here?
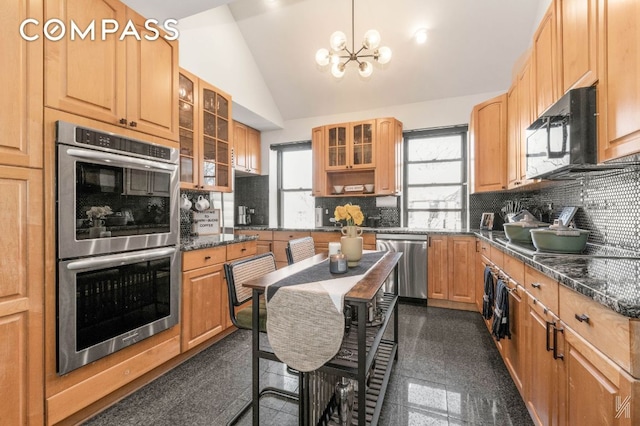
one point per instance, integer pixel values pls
(212, 47)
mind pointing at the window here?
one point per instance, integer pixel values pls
(436, 178)
(295, 203)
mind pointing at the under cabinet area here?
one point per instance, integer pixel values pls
(348, 156)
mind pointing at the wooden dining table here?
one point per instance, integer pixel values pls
(365, 344)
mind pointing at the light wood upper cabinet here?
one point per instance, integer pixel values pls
(21, 77)
(319, 183)
(545, 62)
(618, 90)
(577, 42)
(389, 156)
(350, 145)
(247, 148)
(128, 83)
(21, 296)
(488, 139)
(205, 135)
(358, 153)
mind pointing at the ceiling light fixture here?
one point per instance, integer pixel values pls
(338, 44)
(420, 36)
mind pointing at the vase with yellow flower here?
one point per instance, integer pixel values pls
(351, 241)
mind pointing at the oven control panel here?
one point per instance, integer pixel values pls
(118, 143)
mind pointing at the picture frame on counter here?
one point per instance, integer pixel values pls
(486, 223)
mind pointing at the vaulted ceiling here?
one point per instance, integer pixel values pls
(471, 47)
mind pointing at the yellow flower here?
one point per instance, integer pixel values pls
(352, 214)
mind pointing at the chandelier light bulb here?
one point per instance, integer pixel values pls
(371, 39)
(365, 69)
(334, 58)
(322, 57)
(337, 70)
(384, 55)
(420, 36)
(338, 41)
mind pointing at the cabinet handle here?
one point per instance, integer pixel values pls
(548, 327)
(582, 318)
(123, 121)
(207, 257)
(243, 249)
(133, 124)
(556, 355)
(536, 285)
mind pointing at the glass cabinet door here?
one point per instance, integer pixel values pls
(187, 123)
(362, 144)
(337, 147)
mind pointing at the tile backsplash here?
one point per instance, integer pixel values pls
(609, 204)
(389, 216)
(253, 192)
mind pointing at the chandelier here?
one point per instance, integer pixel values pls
(369, 49)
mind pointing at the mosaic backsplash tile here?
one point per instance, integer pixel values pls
(253, 192)
(609, 204)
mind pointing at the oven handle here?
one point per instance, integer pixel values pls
(119, 160)
(119, 259)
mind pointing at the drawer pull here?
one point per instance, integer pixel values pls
(243, 249)
(207, 257)
(536, 285)
(582, 318)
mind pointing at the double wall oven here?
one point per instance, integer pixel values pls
(117, 236)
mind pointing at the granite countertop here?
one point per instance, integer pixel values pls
(396, 230)
(197, 243)
(607, 275)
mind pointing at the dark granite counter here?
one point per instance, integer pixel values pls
(607, 275)
(398, 230)
(197, 243)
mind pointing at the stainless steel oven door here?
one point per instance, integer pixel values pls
(106, 303)
(141, 194)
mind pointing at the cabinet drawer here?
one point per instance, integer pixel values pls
(279, 251)
(603, 328)
(262, 235)
(289, 235)
(326, 237)
(497, 256)
(238, 250)
(205, 257)
(369, 240)
(542, 287)
(514, 268)
(485, 248)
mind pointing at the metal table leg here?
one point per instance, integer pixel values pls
(255, 360)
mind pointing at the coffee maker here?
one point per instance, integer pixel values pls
(244, 215)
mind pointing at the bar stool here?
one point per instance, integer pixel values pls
(300, 249)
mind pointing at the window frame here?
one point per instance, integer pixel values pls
(461, 130)
(280, 150)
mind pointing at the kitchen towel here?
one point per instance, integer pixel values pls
(305, 320)
(500, 326)
(487, 298)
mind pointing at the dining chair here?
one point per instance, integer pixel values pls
(300, 249)
(237, 273)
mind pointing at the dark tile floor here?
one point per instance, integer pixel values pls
(448, 373)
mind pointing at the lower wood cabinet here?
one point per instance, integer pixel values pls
(451, 269)
(205, 299)
(514, 348)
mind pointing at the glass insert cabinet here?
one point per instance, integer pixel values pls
(205, 135)
(350, 145)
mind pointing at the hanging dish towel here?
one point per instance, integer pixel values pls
(500, 326)
(487, 298)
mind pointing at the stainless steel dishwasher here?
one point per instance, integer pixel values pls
(412, 269)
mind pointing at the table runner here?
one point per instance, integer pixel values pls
(305, 321)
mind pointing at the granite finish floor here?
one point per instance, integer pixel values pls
(448, 372)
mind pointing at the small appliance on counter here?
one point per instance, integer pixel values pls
(318, 217)
(244, 215)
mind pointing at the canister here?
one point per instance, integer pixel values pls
(334, 248)
(338, 263)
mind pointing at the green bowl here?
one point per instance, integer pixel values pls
(517, 233)
(565, 241)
